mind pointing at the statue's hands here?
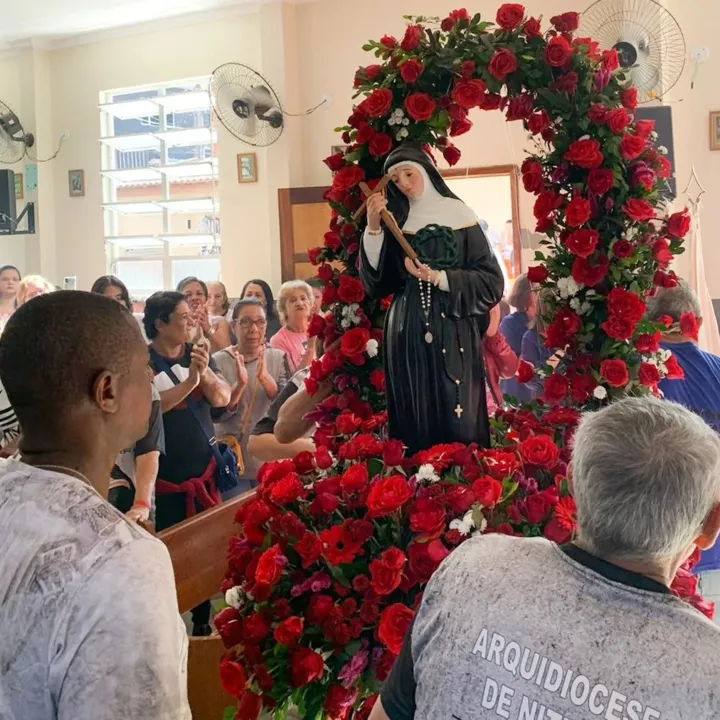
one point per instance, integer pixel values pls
(376, 203)
(422, 272)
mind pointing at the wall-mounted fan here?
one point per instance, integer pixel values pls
(247, 106)
(14, 141)
(648, 39)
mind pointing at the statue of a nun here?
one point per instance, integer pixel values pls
(434, 369)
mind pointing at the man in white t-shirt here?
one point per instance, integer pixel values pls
(89, 621)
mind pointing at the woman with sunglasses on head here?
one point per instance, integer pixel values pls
(256, 373)
(214, 327)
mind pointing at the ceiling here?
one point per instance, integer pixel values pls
(48, 21)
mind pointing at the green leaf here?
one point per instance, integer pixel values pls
(375, 467)
(229, 713)
(352, 648)
(509, 489)
(338, 576)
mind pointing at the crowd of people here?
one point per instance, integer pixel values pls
(226, 379)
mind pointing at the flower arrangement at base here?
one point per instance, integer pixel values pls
(335, 549)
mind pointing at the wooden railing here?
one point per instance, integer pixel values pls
(198, 549)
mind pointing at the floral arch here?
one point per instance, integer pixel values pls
(335, 549)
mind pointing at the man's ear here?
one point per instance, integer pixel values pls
(105, 391)
(710, 529)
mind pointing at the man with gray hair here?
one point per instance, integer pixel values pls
(699, 390)
(521, 628)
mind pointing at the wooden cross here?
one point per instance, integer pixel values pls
(387, 218)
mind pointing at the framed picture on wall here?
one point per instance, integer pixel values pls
(76, 183)
(19, 187)
(715, 130)
(247, 167)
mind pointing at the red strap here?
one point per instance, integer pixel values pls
(201, 490)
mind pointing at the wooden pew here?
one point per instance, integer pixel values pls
(198, 549)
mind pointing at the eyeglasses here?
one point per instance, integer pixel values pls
(246, 324)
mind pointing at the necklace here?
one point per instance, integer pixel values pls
(425, 301)
(457, 381)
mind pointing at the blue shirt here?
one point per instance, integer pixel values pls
(512, 328)
(532, 349)
(698, 391)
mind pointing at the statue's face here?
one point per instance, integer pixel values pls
(409, 181)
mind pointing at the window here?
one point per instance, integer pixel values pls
(159, 177)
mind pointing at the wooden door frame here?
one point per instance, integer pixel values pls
(287, 197)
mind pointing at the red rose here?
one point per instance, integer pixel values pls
(537, 508)
(304, 463)
(393, 452)
(585, 153)
(673, 369)
(600, 181)
(520, 107)
(577, 212)
(503, 63)
(287, 490)
(250, 704)
(288, 632)
(467, 68)
(309, 548)
(590, 272)
(388, 41)
(647, 343)
(624, 303)
(622, 249)
(378, 103)
(689, 326)
(663, 167)
(425, 558)
(538, 122)
(618, 120)
(306, 666)
(353, 342)
(629, 98)
(469, 93)
(350, 290)
(582, 242)
(388, 495)
(648, 375)
(665, 320)
(678, 224)
(598, 114)
(665, 280)
(614, 373)
(460, 127)
(377, 380)
(492, 101)
(565, 324)
(610, 60)
(452, 19)
(537, 274)
(394, 623)
(540, 451)
(319, 607)
(413, 33)
(566, 22)
(555, 389)
(487, 491)
(348, 177)
(335, 162)
(557, 534)
(632, 146)
(232, 677)
(420, 106)
(510, 16)
(618, 328)
(314, 255)
(532, 28)
(270, 566)
(364, 134)
(427, 518)
(532, 176)
(229, 628)
(355, 479)
(411, 70)
(548, 202)
(255, 629)
(386, 572)
(640, 211)
(558, 51)
(525, 372)
(339, 702)
(642, 175)
(661, 253)
(380, 145)
(373, 71)
(451, 154)
(644, 128)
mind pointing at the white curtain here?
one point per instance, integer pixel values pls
(709, 338)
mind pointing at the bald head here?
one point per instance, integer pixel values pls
(56, 347)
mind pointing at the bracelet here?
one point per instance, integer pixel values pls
(142, 504)
(374, 233)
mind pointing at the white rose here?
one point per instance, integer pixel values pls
(461, 526)
(567, 287)
(600, 392)
(372, 347)
(233, 598)
(427, 473)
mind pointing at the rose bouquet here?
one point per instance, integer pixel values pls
(335, 549)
